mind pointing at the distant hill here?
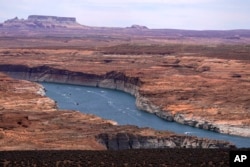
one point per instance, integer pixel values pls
(38, 25)
(45, 22)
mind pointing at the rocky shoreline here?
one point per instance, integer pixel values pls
(31, 121)
(118, 81)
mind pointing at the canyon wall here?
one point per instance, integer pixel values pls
(118, 81)
(143, 103)
(30, 121)
(122, 141)
(111, 80)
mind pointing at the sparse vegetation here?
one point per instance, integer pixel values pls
(238, 52)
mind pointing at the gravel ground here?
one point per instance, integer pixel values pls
(149, 157)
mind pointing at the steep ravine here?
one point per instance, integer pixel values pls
(118, 81)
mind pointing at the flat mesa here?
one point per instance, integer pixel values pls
(51, 18)
(34, 22)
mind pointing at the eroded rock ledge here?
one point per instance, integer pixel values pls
(42, 126)
(118, 81)
(120, 141)
(112, 80)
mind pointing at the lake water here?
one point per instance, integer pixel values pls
(120, 107)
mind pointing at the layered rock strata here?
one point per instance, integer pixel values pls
(121, 141)
(111, 80)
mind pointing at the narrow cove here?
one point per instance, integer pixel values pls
(120, 107)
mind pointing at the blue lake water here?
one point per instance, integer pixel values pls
(120, 107)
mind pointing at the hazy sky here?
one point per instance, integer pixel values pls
(180, 14)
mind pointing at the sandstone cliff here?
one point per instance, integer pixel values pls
(120, 141)
(112, 80)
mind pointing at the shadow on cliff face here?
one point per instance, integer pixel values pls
(44, 69)
(122, 141)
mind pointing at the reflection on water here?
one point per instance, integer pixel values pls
(120, 107)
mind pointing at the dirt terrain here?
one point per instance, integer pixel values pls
(139, 158)
(202, 91)
(197, 78)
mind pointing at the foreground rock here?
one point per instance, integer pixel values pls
(30, 121)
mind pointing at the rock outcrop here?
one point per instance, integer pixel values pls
(138, 27)
(41, 22)
(112, 80)
(120, 141)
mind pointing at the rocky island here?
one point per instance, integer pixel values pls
(178, 75)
